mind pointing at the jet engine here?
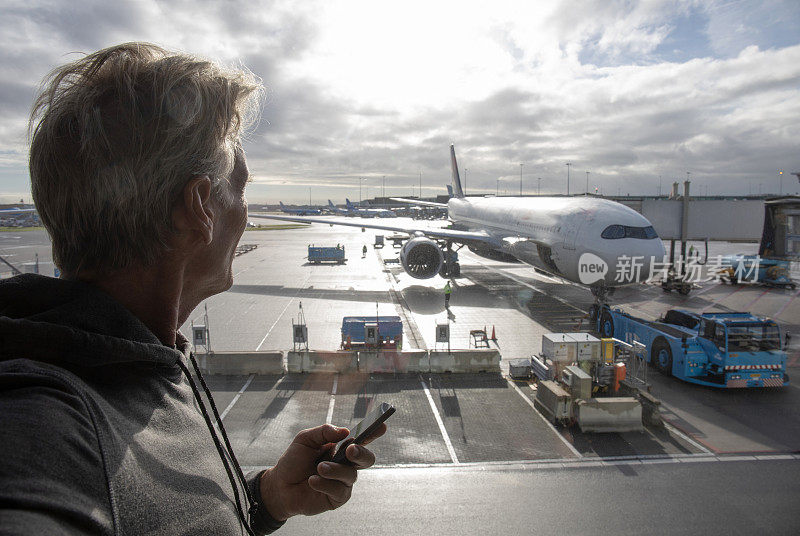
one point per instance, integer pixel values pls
(421, 258)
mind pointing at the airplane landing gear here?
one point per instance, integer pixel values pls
(600, 293)
(450, 266)
(450, 269)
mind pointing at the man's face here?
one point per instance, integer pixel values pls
(230, 220)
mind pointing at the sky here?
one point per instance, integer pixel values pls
(362, 94)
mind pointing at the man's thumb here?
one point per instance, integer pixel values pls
(321, 435)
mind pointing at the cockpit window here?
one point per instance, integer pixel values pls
(614, 232)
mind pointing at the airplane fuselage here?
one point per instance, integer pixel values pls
(586, 240)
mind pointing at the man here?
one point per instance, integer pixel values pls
(139, 176)
(447, 292)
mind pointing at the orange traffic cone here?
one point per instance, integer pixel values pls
(494, 336)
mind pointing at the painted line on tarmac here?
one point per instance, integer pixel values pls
(548, 423)
(673, 429)
(752, 303)
(701, 292)
(686, 438)
(329, 417)
(785, 305)
(525, 283)
(606, 461)
(438, 418)
(236, 398)
(281, 315)
(588, 461)
(714, 304)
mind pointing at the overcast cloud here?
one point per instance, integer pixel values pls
(629, 91)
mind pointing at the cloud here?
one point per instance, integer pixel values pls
(629, 91)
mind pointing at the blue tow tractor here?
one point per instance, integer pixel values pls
(715, 349)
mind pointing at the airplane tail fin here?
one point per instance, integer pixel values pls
(449, 191)
(348, 203)
(457, 191)
(281, 203)
(330, 204)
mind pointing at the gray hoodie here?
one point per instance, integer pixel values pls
(103, 427)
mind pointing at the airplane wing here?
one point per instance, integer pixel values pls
(418, 202)
(463, 237)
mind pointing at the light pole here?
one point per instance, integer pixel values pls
(497, 189)
(520, 180)
(359, 189)
(383, 191)
(587, 183)
(539, 186)
(420, 185)
(465, 181)
(780, 182)
(568, 165)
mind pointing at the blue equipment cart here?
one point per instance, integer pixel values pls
(754, 269)
(372, 332)
(318, 254)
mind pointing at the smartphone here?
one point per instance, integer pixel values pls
(360, 433)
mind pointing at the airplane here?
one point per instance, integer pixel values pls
(16, 210)
(590, 241)
(369, 212)
(336, 210)
(300, 211)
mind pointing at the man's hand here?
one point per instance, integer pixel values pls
(297, 485)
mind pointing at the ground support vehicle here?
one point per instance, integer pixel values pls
(318, 254)
(719, 349)
(751, 268)
(674, 281)
(581, 382)
(372, 332)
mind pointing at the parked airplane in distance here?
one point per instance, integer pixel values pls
(300, 211)
(369, 212)
(16, 210)
(591, 241)
(336, 210)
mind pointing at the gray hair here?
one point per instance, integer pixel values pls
(117, 136)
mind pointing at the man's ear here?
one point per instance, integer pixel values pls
(192, 213)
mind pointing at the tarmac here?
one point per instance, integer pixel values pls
(484, 417)
(484, 424)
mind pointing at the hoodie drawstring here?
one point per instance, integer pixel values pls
(250, 498)
(222, 453)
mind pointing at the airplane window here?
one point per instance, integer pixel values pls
(614, 232)
(645, 233)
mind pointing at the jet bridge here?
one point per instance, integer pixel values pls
(775, 223)
(681, 217)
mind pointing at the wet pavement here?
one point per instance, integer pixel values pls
(457, 419)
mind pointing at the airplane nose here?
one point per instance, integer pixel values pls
(636, 263)
(653, 253)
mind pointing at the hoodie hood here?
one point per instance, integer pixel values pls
(62, 321)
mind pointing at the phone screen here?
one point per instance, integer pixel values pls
(362, 431)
